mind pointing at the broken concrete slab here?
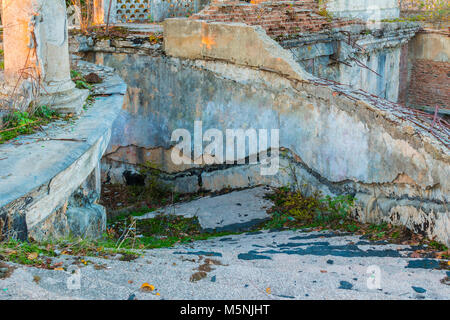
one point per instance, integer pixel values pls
(193, 39)
(235, 211)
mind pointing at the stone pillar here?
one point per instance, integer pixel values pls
(37, 54)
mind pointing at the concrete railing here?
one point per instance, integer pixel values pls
(50, 181)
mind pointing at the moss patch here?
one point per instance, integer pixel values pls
(293, 210)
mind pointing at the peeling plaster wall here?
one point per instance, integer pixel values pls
(335, 151)
(383, 78)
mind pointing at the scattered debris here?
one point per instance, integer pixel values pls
(147, 287)
(198, 276)
(93, 78)
(5, 270)
(128, 257)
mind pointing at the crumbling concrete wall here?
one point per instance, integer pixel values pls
(338, 140)
(338, 45)
(362, 56)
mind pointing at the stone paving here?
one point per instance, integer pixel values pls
(270, 264)
(259, 265)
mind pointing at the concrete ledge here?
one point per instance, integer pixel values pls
(38, 173)
(237, 43)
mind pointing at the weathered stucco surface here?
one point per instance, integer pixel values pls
(337, 139)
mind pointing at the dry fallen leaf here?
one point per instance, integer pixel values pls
(32, 256)
(323, 271)
(147, 287)
(268, 290)
(58, 269)
(440, 254)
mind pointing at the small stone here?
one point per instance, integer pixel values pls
(330, 261)
(132, 297)
(419, 289)
(198, 276)
(345, 285)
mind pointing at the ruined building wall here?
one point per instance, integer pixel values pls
(340, 141)
(427, 75)
(341, 47)
(278, 18)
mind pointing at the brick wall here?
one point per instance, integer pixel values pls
(429, 84)
(403, 76)
(278, 18)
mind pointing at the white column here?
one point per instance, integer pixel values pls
(35, 40)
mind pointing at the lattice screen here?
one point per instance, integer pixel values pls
(145, 11)
(132, 10)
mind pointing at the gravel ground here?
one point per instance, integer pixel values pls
(260, 265)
